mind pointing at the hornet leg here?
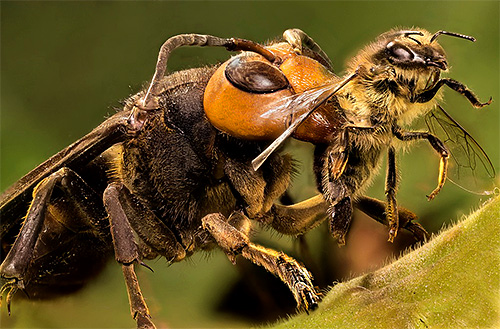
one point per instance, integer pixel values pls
(294, 275)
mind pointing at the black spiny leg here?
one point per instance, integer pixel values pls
(455, 85)
(149, 228)
(294, 275)
(126, 253)
(85, 213)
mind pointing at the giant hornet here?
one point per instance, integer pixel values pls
(191, 161)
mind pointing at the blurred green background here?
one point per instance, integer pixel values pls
(67, 65)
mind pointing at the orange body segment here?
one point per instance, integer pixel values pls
(240, 113)
(250, 116)
(305, 73)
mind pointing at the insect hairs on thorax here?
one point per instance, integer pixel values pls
(148, 168)
(386, 92)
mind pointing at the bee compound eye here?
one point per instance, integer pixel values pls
(400, 52)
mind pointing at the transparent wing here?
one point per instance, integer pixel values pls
(298, 107)
(295, 105)
(469, 165)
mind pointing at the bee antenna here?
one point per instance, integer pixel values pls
(453, 34)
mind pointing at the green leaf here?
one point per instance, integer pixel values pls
(453, 281)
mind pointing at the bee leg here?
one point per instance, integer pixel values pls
(340, 210)
(341, 216)
(455, 85)
(338, 151)
(437, 144)
(294, 275)
(334, 188)
(391, 209)
(298, 218)
(376, 209)
(16, 265)
(126, 253)
(338, 155)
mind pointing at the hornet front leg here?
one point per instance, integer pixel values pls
(235, 242)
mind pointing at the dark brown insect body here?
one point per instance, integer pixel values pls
(184, 166)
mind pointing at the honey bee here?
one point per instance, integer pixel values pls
(189, 163)
(388, 84)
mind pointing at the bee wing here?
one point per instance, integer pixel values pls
(469, 166)
(298, 107)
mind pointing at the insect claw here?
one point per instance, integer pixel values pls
(11, 288)
(433, 194)
(418, 231)
(146, 266)
(10, 294)
(392, 234)
(231, 257)
(478, 105)
(341, 241)
(488, 102)
(25, 293)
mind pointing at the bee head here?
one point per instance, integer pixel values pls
(408, 50)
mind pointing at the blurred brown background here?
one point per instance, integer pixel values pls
(66, 65)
